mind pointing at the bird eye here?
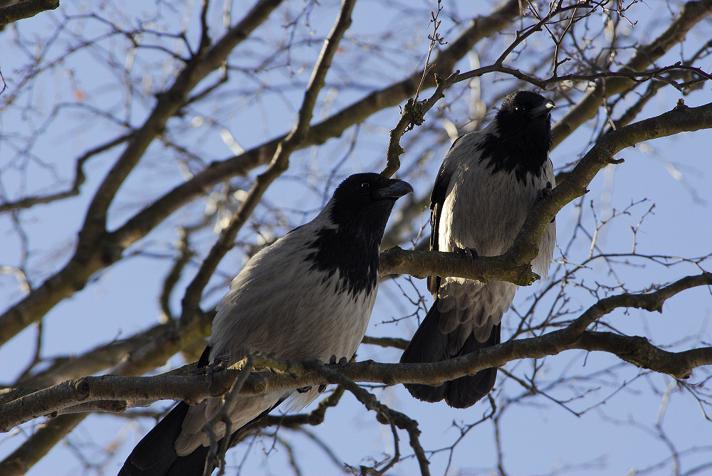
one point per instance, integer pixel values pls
(516, 108)
(365, 185)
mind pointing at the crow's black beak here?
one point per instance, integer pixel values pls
(393, 188)
(544, 109)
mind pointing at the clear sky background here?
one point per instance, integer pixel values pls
(539, 437)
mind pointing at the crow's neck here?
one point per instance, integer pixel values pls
(522, 151)
(351, 250)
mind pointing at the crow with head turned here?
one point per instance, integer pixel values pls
(306, 297)
(483, 192)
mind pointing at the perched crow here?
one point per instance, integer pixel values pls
(308, 296)
(481, 197)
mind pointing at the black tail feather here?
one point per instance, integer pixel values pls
(191, 465)
(429, 344)
(466, 391)
(155, 454)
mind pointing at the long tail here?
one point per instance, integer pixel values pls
(429, 344)
(155, 454)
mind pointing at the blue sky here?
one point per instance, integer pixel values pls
(538, 437)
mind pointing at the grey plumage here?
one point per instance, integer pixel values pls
(308, 296)
(483, 193)
(310, 320)
(484, 211)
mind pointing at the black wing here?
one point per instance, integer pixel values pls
(437, 199)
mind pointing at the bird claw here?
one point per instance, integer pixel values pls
(215, 367)
(341, 362)
(469, 252)
(332, 361)
(546, 191)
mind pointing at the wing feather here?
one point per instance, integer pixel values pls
(442, 186)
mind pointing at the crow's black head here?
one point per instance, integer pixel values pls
(359, 209)
(525, 113)
(523, 135)
(365, 201)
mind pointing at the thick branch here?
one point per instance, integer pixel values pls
(514, 266)
(440, 263)
(141, 359)
(636, 350)
(72, 392)
(286, 376)
(95, 360)
(26, 9)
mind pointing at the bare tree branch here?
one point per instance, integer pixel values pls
(94, 250)
(596, 59)
(692, 13)
(77, 181)
(192, 388)
(278, 165)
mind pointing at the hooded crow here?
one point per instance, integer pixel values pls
(308, 296)
(481, 197)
